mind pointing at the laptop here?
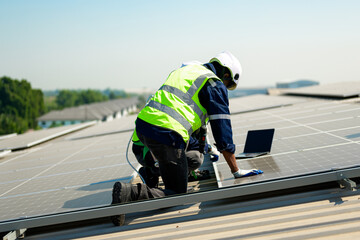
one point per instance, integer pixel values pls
(258, 143)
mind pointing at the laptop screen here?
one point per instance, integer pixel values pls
(259, 140)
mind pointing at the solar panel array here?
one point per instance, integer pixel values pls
(310, 137)
(78, 172)
(64, 175)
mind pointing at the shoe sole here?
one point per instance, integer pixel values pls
(117, 220)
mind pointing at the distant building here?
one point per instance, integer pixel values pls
(102, 111)
(297, 84)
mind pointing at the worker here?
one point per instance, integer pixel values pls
(190, 97)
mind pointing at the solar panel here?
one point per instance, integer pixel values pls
(259, 102)
(310, 137)
(64, 175)
(293, 164)
(352, 133)
(30, 139)
(126, 123)
(339, 90)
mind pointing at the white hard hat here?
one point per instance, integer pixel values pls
(226, 59)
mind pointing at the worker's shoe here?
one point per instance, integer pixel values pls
(198, 175)
(121, 193)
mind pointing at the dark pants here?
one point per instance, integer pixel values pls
(173, 167)
(193, 157)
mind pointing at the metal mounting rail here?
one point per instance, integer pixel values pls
(177, 200)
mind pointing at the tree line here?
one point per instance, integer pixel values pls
(20, 105)
(60, 99)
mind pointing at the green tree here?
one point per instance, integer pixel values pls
(66, 98)
(90, 96)
(71, 98)
(12, 124)
(20, 105)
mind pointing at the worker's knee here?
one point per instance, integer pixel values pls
(195, 159)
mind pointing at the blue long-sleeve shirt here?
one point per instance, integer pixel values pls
(214, 98)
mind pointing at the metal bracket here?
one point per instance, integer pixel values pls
(346, 182)
(15, 234)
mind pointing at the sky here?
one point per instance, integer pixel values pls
(82, 44)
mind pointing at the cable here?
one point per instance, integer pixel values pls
(127, 159)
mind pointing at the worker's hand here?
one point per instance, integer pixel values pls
(214, 153)
(246, 173)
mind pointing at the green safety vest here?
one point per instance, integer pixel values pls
(176, 104)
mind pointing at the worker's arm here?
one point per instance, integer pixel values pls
(215, 100)
(231, 161)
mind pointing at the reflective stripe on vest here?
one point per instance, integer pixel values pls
(171, 112)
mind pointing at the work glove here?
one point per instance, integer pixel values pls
(246, 173)
(214, 153)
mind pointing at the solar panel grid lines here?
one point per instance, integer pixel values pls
(10, 159)
(316, 111)
(259, 102)
(311, 108)
(260, 116)
(66, 175)
(290, 151)
(334, 125)
(50, 167)
(352, 133)
(291, 164)
(25, 174)
(312, 130)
